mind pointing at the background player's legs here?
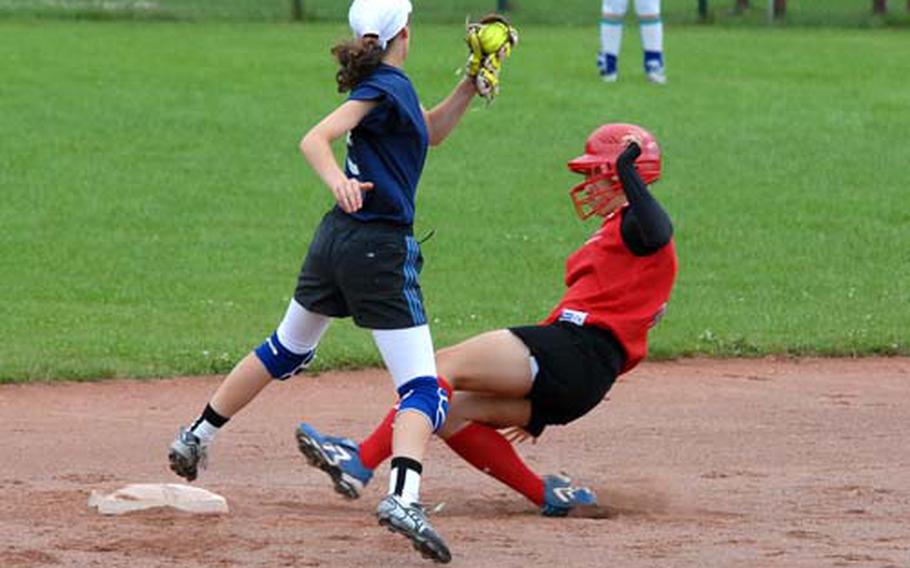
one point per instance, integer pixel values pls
(612, 15)
(288, 351)
(652, 39)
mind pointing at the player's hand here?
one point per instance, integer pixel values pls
(349, 194)
(632, 151)
(631, 138)
(518, 435)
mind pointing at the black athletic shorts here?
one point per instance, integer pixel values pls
(366, 270)
(577, 366)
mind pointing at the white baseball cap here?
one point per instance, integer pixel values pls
(382, 18)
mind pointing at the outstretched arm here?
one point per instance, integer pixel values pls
(317, 149)
(442, 118)
(646, 227)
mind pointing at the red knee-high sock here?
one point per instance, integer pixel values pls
(489, 451)
(377, 447)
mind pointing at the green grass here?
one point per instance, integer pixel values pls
(155, 208)
(574, 12)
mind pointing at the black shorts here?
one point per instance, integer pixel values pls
(366, 270)
(577, 366)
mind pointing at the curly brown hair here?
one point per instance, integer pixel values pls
(358, 58)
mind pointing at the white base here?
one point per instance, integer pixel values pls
(141, 496)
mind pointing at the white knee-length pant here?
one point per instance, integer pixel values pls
(642, 7)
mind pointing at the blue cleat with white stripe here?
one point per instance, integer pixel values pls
(338, 457)
(560, 496)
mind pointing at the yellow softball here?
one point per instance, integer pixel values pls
(493, 36)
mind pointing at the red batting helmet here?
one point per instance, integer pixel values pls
(598, 164)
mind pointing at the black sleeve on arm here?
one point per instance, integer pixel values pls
(646, 227)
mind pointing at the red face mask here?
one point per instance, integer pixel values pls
(599, 194)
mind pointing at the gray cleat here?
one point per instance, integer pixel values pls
(187, 455)
(411, 521)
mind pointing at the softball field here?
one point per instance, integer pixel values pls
(765, 462)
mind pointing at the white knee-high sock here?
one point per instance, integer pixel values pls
(652, 35)
(610, 36)
(612, 14)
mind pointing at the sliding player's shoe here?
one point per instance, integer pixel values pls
(338, 457)
(560, 496)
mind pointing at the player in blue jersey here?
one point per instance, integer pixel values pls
(363, 261)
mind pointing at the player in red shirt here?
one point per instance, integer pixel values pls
(526, 378)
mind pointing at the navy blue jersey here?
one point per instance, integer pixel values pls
(388, 147)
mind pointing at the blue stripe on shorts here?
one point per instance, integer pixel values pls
(411, 293)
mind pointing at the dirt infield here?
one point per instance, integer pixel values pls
(697, 463)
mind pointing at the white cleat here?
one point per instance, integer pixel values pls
(609, 77)
(657, 76)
